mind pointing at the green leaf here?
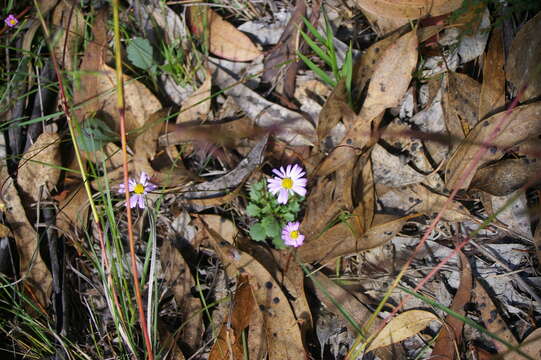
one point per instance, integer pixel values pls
(322, 74)
(313, 30)
(319, 52)
(253, 210)
(140, 53)
(288, 217)
(271, 225)
(257, 232)
(93, 134)
(278, 242)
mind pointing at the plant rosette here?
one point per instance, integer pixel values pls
(275, 204)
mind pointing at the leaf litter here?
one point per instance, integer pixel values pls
(216, 97)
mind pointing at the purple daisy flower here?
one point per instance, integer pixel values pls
(139, 190)
(291, 234)
(287, 182)
(11, 20)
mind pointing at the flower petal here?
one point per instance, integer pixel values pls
(141, 202)
(299, 190)
(133, 200)
(283, 196)
(131, 185)
(144, 178)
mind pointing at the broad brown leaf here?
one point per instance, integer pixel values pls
(33, 270)
(522, 67)
(223, 38)
(284, 338)
(39, 166)
(522, 123)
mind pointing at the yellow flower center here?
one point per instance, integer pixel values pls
(12, 22)
(139, 189)
(294, 234)
(287, 183)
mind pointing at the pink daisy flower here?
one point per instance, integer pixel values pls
(11, 20)
(139, 190)
(288, 181)
(291, 234)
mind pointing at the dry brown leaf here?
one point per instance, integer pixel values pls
(39, 166)
(197, 105)
(98, 87)
(491, 318)
(223, 38)
(329, 197)
(522, 123)
(355, 306)
(341, 240)
(505, 176)
(32, 268)
(228, 344)
(283, 333)
(169, 344)
(460, 104)
(5, 231)
(429, 203)
(288, 126)
(220, 187)
(66, 45)
(450, 335)
(179, 279)
(388, 15)
(392, 75)
(522, 67)
(531, 345)
(403, 326)
(492, 95)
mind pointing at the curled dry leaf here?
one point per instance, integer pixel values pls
(520, 124)
(33, 270)
(403, 326)
(388, 15)
(288, 125)
(224, 39)
(505, 176)
(39, 166)
(283, 333)
(522, 67)
(222, 186)
(450, 335)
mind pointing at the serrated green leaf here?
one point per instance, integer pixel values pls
(278, 242)
(253, 210)
(257, 232)
(140, 53)
(288, 217)
(271, 225)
